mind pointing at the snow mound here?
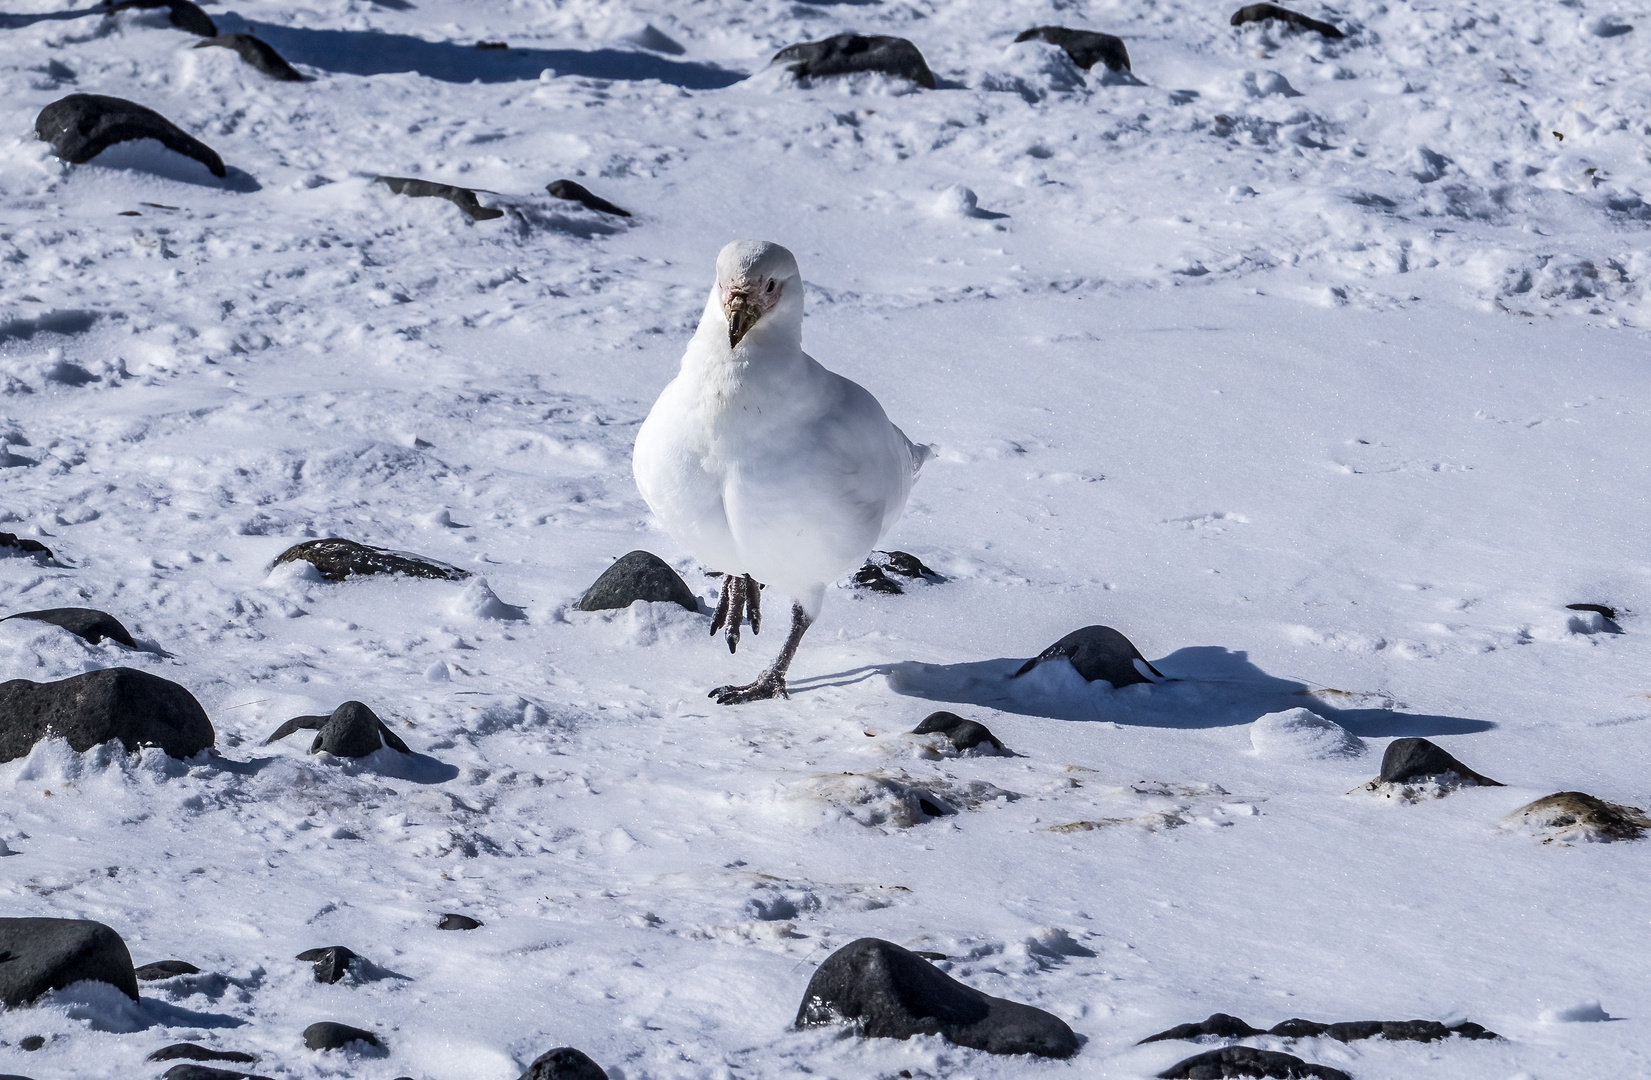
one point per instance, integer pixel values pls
(1303, 735)
(1584, 1012)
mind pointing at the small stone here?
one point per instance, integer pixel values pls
(1572, 816)
(848, 54)
(1298, 1028)
(1247, 1061)
(463, 198)
(886, 992)
(572, 192)
(31, 1043)
(450, 921)
(337, 559)
(1294, 19)
(1222, 1025)
(1098, 652)
(192, 1052)
(182, 14)
(328, 1035)
(166, 969)
(331, 963)
(38, 956)
(638, 575)
(1085, 47)
(563, 1063)
(871, 576)
(353, 730)
(963, 734)
(256, 53)
(82, 126)
(23, 545)
(1409, 760)
(88, 623)
(133, 706)
(206, 1072)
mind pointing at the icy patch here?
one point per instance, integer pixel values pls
(1302, 735)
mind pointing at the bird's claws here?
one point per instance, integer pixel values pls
(766, 687)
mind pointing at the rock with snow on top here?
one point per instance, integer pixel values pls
(637, 575)
(40, 955)
(82, 126)
(1302, 735)
(850, 54)
(654, 39)
(479, 601)
(257, 54)
(135, 707)
(87, 623)
(1099, 652)
(563, 1063)
(1569, 817)
(337, 559)
(1034, 70)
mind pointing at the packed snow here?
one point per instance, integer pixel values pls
(1318, 368)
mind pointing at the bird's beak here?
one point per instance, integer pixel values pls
(742, 316)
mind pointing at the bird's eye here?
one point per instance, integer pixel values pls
(770, 285)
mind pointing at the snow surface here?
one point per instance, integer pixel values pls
(1317, 368)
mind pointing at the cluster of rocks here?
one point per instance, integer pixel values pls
(1226, 1026)
(880, 570)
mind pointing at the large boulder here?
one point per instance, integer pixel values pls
(337, 559)
(1086, 47)
(1408, 760)
(88, 623)
(82, 126)
(886, 992)
(849, 54)
(353, 730)
(638, 575)
(563, 1063)
(256, 53)
(133, 706)
(38, 956)
(1098, 652)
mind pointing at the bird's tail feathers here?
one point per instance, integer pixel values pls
(920, 452)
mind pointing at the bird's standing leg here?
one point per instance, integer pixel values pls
(753, 603)
(771, 683)
(741, 596)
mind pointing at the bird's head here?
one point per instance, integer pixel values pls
(758, 283)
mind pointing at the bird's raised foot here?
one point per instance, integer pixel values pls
(741, 597)
(766, 687)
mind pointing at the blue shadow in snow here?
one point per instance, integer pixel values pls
(363, 52)
(17, 22)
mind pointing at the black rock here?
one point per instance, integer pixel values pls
(1247, 1061)
(567, 189)
(886, 992)
(451, 921)
(180, 13)
(331, 964)
(23, 544)
(258, 54)
(1250, 13)
(206, 1072)
(191, 1052)
(1598, 609)
(30, 1043)
(463, 198)
(638, 575)
(83, 622)
(337, 559)
(905, 564)
(1415, 759)
(1469, 1030)
(963, 734)
(82, 126)
(1098, 652)
(871, 576)
(847, 54)
(1085, 47)
(1219, 1024)
(41, 955)
(165, 969)
(135, 707)
(1353, 1030)
(1297, 1028)
(563, 1063)
(328, 1035)
(353, 730)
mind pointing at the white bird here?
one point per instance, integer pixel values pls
(765, 465)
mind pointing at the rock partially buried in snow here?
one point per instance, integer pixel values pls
(256, 53)
(1411, 760)
(192, 1052)
(88, 623)
(353, 730)
(182, 14)
(1226, 1026)
(1569, 817)
(133, 706)
(886, 992)
(1086, 47)
(882, 567)
(206, 1072)
(1099, 652)
(1232, 1061)
(962, 734)
(38, 956)
(329, 1035)
(166, 969)
(1252, 13)
(337, 559)
(1302, 735)
(850, 54)
(1221, 1025)
(637, 575)
(563, 1063)
(331, 963)
(82, 126)
(463, 198)
(451, 921)
(11, 543)
(579, 193)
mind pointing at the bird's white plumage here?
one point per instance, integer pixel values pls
(760, 461)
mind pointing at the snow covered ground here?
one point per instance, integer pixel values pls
(1317, 368)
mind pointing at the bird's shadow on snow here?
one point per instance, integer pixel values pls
(1210, 687)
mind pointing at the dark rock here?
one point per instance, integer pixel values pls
(1085, 47)
(206, 1072)
(1598, 609)
(1219, 1024)
(135, 707)
(353, 730)
(963, 734)
(847, 54)
(1298, 1028)
(871, 576)
(886, 992)
(463, 198)
(1417, 759)
(1247, 1061)
(905, 564)
(191, 1052)
(82, 126)
(256, 53)
(30, 1043)
(1098, 652)
(166, 969)
(328, 1035)
(331, 964)
(337, 559)
(180, 13)
(1569, 814)
(486, 45)
(38, 956)
(83, 622)
(1469, 1030)
(567, 189)
(1250, 13)
(22, 543)
(451, 921)
(563, 1063)
(1353, 1030)
(638, 575)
